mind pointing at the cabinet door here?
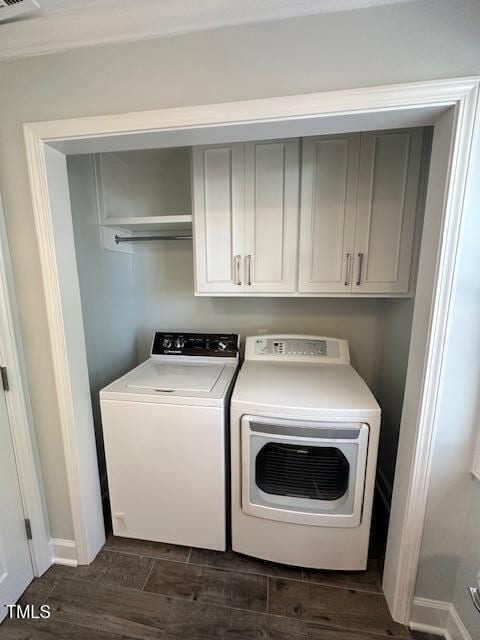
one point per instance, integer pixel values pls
(218, 217)
(386, 209)
(327, 218)
(271, 216)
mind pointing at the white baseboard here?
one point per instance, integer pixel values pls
(64, 552)
(430, 616)
(456, 630)
(436, 617)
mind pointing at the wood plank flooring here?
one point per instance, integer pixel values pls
(146, 591)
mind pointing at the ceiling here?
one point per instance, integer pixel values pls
(67, 24)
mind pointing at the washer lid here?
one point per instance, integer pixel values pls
(175, 381)
(167, 376)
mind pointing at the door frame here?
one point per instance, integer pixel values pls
(20, 414)
(451, 104)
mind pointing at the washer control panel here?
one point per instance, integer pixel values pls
(297, 348)
(223, 345)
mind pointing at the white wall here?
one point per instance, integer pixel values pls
(107, 291)
(450, 554)
(412, 41)
(468, 300)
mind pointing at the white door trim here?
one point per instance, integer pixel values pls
(20, 415)
(353, 108)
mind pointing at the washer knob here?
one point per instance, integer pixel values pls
(179, 343)
(167, 343)
(222, 345)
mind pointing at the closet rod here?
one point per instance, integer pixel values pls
(119, 239)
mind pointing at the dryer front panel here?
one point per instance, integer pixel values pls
(304, 472)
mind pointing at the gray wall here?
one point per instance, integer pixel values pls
(413, 41)
(466, 363)
(164, 277)
(108, 294)
(450, 555)
(392, 372)
(469, 563)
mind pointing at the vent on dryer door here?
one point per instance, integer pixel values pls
(319, 473)
(10, 9)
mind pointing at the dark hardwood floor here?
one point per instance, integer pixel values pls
(147, 591)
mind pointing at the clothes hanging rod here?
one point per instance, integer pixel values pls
(119, 239)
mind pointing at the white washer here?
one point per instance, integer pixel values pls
(304, 440)
(165, 430)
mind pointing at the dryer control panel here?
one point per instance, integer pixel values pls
(289, 348)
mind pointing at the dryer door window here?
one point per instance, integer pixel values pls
(304, 472)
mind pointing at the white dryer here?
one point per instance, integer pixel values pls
(304, 440)
(165, 430)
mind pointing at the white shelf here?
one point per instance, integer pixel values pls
(152, 223)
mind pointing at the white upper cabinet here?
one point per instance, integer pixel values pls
(346, 228)
(271, 216)
(358, 212)
(218, 197)
(329, 193)
(386, 208)
(245, 201)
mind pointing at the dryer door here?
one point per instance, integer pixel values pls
(304, 472)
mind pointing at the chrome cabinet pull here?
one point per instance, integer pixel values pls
(360, 264)
(348, 269)
(248, 263)
(236, 261)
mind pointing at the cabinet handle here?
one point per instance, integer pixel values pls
(248, 262)
(236, 263)
(360, 264)
(348, 269)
